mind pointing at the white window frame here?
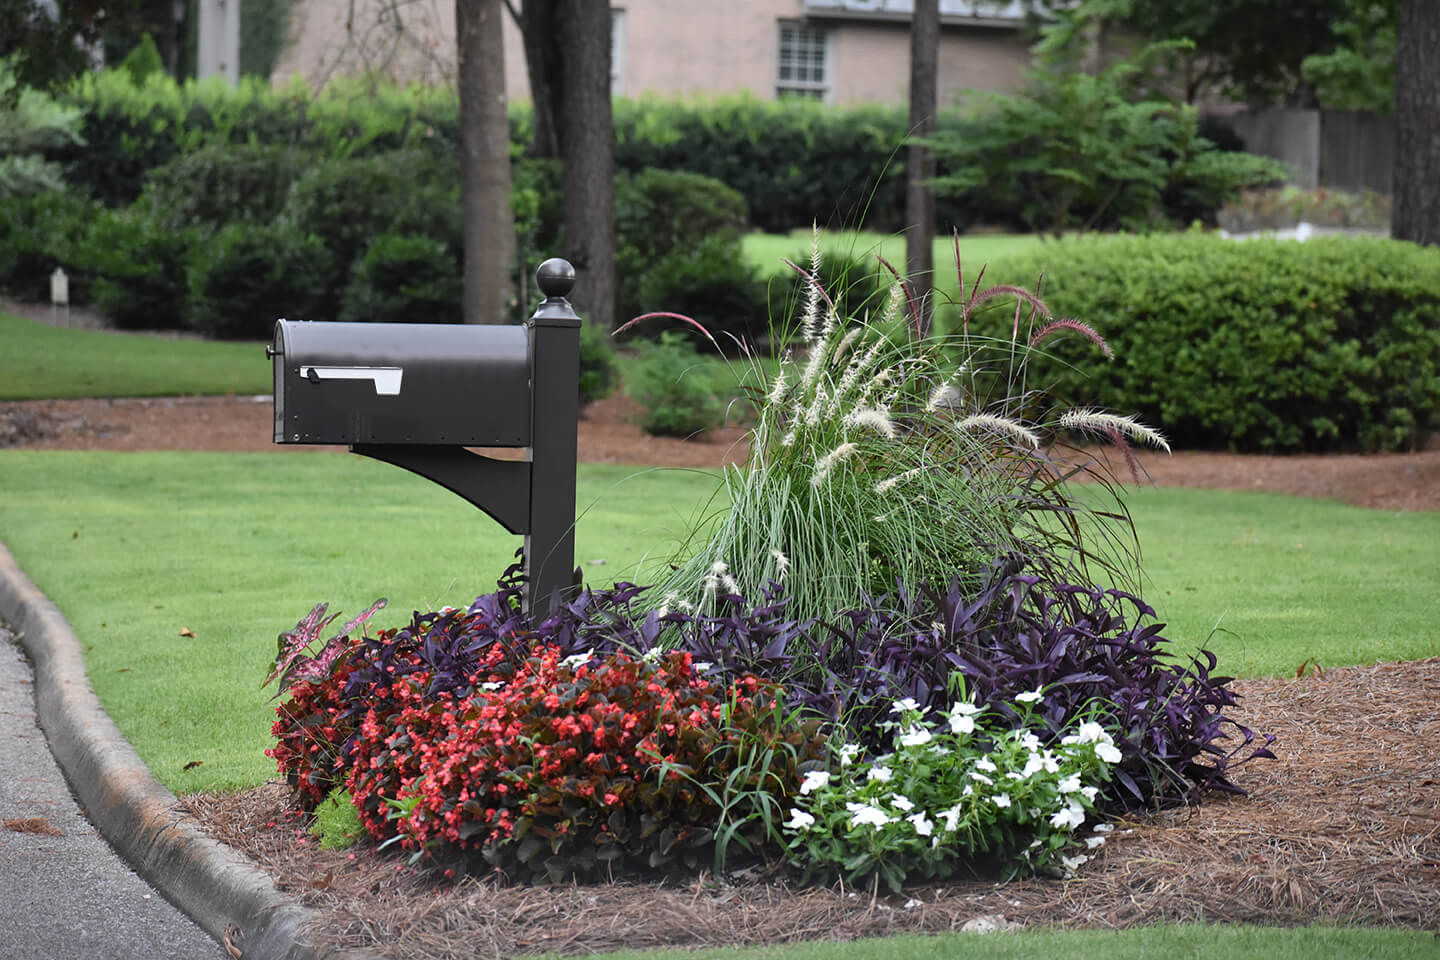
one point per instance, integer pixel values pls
(617, 51)
(805, 38)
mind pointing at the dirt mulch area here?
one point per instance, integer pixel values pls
(608, 434)
(1343, 828)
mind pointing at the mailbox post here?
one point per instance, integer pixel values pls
(417, 395)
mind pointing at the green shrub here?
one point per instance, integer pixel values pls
(668, 379)
(31, 122)
(39, 232)
(250, 274)
(217, 185)
(1264, 345)
(138, 269)
(347, 203)
(404, 278)
(597, 364)
(678, 236)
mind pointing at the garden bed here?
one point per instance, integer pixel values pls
(1342, 828)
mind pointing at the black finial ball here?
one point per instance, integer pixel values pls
(555, 277)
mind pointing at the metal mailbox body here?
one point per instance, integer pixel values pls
(402, 383)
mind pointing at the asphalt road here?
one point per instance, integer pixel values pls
(64, 893)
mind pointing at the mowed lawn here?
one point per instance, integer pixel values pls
(234, 548)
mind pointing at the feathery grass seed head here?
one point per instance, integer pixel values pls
(1003, 425)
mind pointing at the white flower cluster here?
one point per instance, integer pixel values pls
(943, 784)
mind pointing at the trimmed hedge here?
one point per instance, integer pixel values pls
(1256, 346)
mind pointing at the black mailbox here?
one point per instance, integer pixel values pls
(355, 383)
(417, 395)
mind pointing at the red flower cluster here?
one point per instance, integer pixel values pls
(309, 734)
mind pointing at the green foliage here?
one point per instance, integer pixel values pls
(138, 267)
(972, 790)
(39, 232)
(216, 185)
(668, 379)
(347, 203)
(264, 31)
(1359, 74)
(143, 61)
(597, 364)
(793, 161)
(1076, 151)
(1331, 344)
(250, 274)
(336, 823)
(404, 278)
(31, 123)
(679, 251)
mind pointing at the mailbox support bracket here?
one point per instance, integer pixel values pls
(501, 488)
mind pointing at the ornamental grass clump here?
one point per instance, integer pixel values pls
(883, 456)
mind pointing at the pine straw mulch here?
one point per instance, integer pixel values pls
(1343, 828)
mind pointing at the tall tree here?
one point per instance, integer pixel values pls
(920, 159)
(488, 227)
(1416, 205)
(567, 50)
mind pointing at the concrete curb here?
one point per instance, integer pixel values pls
(142, 820)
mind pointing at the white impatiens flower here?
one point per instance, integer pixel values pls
(921, 823)
(908, 705)
(962, 717)
(814, 780)
(879, 774)
(1070, 784)
(1030, 742)
(915, 737)
(800, 820)
(981, 778)
(901, 802)
(1069, 817)
(1108, 752)
(986, 764)
(491, 685)
(1034, 696)
(1090, 793)
(848, 753)
(1001, 799)
(575, 659)
(950, 818)
(866, 815)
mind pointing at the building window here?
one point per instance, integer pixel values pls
(801, 68)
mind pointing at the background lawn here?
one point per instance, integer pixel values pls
(1191, 941)
(238, 547)
(40, 361)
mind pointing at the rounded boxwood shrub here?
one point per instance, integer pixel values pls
(217, 185)
(138, 269)
(679, 251)
(250, 274)
(39, 232)
(1264, 345)
(404, 278)
(347, 203)
(667, 379)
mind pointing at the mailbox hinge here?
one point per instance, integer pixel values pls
(501, 488)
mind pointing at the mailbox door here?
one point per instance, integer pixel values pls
(349, 383)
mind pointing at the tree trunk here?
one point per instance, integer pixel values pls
(1416, 205)
(920, 160)
(537, 23)
(489, 227)
(586, 134)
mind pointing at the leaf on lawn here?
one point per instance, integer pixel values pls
(36, 825)
(192, 764)
(186, 632)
